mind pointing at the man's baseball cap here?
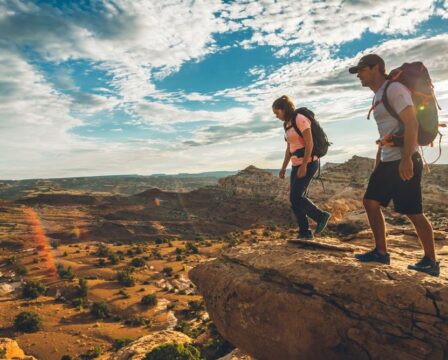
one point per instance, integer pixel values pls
(367, 60)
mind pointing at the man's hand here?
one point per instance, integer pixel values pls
(281, 174)
(302, 171)
(406, 169)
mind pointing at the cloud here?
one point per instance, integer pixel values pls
(326, 23)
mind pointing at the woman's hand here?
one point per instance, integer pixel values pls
(302, 171)
(281, 174)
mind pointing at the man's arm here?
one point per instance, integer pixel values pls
(410, 123)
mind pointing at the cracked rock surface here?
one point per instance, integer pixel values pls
(283, 301)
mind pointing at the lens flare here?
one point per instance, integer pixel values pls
(42, 242)
(156, 202)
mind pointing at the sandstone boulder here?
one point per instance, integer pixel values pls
(9, 349)
(281, 301)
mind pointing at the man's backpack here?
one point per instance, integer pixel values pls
(416, 78)
(320, 139)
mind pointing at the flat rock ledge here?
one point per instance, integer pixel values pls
(284, 301)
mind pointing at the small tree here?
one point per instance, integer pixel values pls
(28, 321)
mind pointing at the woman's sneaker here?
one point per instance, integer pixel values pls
(374, 256)
(306, 235)
(322, 224)
(427, 266)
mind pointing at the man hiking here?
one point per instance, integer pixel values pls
(398, 169)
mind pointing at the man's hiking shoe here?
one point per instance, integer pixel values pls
(374, 256)
(322, 224)
(308, 235)
(427, 266)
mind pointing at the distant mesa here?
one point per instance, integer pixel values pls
(60, 199)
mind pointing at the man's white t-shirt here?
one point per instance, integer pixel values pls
(399, 98)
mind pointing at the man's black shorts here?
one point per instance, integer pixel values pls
(385, 184)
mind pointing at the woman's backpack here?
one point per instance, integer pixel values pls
(320, 139)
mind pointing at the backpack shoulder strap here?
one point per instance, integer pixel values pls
(294, 124)
(386, 103)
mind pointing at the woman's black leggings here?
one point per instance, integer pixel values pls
(301, 205)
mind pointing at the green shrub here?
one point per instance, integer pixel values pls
(33, 289)
(55, 243)
(27, 321)
(65, 273)
(192, 248)
(91, 354)
(100, 310)
(102, 251)
(168, 270)
(22, 270)
(82, 288)
(149, 300)
(173, 351)
(119, 343)
(138, 321)
(125, 278)
(113, 259)
(138, 262)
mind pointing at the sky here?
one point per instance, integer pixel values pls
(109, 87)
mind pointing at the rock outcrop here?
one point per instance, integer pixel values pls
(9, 349)
(138, 349)
(282, 301)
(255, 182)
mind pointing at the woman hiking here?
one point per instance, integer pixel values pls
(299, 150)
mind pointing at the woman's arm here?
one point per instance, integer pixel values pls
(281, 175)
(308, 140)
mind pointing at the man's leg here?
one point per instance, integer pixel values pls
(425, 234)
(377, 224)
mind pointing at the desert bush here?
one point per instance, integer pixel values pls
(113, 259)
(102, 251)
(82, 288)
(33, 289)
(125, 278)
(11, 260)
(168, 270)
(27, 321)
(138, 262)
(65, 273)
(55, 243)
(192, 248)
(173, 351)
(119, 343)
(91, 354)
(22, 270)
(138, 321)
(196, 306)
(100, 310)
(149, 300)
